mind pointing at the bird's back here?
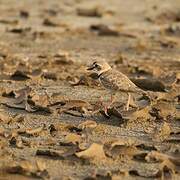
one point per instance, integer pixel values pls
(117, 81)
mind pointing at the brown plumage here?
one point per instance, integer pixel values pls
(114, 80)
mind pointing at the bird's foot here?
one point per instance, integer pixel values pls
(106, 110)
(106, 107)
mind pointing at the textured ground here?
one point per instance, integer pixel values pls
(52, 124)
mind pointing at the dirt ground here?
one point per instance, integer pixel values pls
(52, 123)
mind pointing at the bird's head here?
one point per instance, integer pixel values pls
(99, 67)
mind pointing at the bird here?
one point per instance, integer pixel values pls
(114, 81)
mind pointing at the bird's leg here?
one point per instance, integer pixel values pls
(106, 107)
(112, 99)
(128, 101)
(101, 100)
(106, 110)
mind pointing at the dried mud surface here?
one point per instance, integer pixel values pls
(52, 123)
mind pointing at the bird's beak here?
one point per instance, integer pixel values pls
(90, 67)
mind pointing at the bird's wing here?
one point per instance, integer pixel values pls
(116, 80)
(108, 80)
(124, 83)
